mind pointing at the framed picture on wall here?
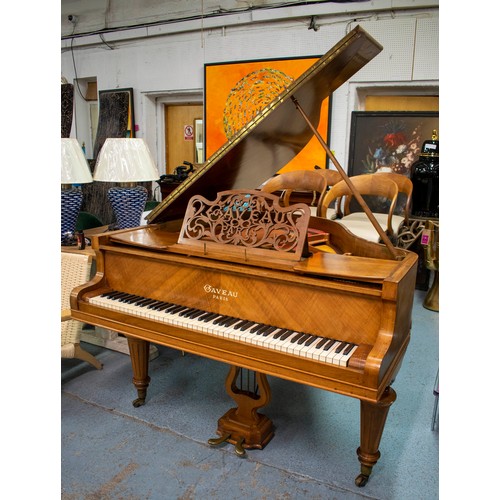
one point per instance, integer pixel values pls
(116, 116)
(387, 141)
(235, 92)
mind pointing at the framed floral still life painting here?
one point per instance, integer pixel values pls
(387, 141)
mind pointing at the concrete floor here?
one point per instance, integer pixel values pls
(111, 450)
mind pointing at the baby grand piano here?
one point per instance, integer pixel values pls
(222, 271)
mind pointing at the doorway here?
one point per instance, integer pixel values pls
(181, 123)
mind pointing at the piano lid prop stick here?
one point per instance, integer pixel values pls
(353, 189)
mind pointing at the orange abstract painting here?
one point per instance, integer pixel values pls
(236, 92)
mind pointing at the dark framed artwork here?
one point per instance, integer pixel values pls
(116, 120)
(67, 91)
(235, 92)
(388, 141)
(116, 116)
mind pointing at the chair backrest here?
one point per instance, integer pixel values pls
(366, 185)
(297, 180)
(75, 270)
(87, 220)
(331, 176)
(405, 186)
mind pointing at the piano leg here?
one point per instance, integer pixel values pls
(243, 426)
(139, 355)
(373, 417)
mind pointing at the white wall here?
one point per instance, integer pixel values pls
(166, 62)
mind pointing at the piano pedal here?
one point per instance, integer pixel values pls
(238, 448)
(226, 438)
(217, 441)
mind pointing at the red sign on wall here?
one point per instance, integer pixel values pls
(188, 133)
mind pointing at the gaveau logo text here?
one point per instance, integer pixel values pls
(220, 293)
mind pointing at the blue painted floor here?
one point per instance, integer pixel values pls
(111, 450)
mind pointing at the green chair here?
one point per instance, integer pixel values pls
(150, 205)
(87, 220)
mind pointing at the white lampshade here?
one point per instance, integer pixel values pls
(125, 160)
(74, 166)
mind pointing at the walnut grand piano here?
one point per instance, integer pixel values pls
(222, 271)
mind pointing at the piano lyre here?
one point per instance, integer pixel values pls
(222, 271)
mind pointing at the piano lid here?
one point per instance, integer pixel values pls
(276, 134)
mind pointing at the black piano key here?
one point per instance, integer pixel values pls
(304, 338)
(189, 312)
(219, 319)
(176, 309)
(145, 302)
(203, 316)
(111, 294)
(262, 329)
(231, 321)
(171, 308)
(165, 306)
(195, 314)
(329, 344)
(118, 295)
(241, 323)
(267, 331)
(210, 317)
(309, 341)
(227, 320)
(348, 349)
(279, 333)
(245, 327)
(321, 343)
(130, 299)
(154, 304)
(256, 327)
(296, 337)
(340, 347)
(285, 335)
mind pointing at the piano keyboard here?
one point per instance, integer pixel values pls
(300, 344)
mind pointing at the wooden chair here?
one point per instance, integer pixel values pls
(368, 185)
(298, 180)
(405, 188)
(399, 221)
(75, 270)
(332, 177)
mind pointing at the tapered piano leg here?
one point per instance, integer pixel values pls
(373, 417)
(243, 426)
(139, 355)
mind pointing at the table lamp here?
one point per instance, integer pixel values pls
(126, 161)
(74, 170)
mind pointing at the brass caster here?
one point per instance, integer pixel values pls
(139, 402)
(361, 480)
(219, 440)
(238, 448)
